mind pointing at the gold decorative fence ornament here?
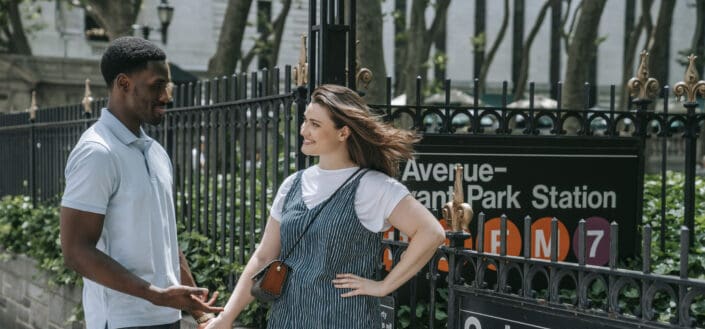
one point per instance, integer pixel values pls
(33, 107)
(301, 69)
(642, 86)
(170, 84)
(457, 213)
(365, 76)
(87, 98)
(691, 86)
(362, 74)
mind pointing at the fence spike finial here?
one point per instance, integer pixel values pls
(642, 86)
(33, 107)
(169, 84)
(87, 98)
(362, 74)
(301, 69)
(691, 86)
(457, 212)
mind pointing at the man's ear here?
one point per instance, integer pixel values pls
(122, 81)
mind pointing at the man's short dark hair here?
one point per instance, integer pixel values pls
(127, 55)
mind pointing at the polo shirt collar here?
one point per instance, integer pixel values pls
(122, 133)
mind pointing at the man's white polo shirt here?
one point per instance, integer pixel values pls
(128, 179)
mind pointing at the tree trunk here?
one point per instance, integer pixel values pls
(554, 74)
(264, 18)
(495, 45)
(592, 80)
(278, 27)
(400, 40)
(698, 48)
(480, 38)
(517, 41)
(659, 43)
(371, 49)
(630, 51)
(17, 40)
(116, 17)
(698, 44)
(524, 71)
(228, 52)
(629, 13)
(419, 46)
(441, 54)
(414, 45)
(581, 51)
(268, 49)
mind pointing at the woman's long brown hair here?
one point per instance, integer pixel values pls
(372, 143)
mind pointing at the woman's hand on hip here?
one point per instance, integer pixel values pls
(359, 286)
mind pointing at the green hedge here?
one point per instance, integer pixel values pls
(35, 233)
(667, 261)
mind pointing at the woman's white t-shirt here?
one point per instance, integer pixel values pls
(376, 196)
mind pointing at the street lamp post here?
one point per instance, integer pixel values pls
(165, 12)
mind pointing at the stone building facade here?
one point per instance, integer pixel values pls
(57, 81)
(196, 25)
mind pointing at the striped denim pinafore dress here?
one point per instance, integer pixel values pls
(336, 243)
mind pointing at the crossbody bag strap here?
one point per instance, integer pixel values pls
(318, 212)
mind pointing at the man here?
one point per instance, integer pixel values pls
(118, 228)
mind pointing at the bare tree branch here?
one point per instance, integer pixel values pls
(524, 72)
(232, 32)
(658, 42)
(495, 45)
(265, 45)
(16, 38)
(278, 27)
(370, 50)
(633, 40)
(566, 35)
(419, 46)
(441, 13)
(648, 22)
(582, 51)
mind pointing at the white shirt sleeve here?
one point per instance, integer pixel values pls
(278, 204)
(91, 178)
(376, 197)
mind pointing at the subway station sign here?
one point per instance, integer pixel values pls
(569, 178)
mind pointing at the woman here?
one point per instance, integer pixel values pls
(330, 284)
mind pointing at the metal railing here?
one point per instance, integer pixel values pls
(232, 141)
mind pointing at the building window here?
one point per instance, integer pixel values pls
(93, 30)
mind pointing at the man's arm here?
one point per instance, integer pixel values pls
(80, 231)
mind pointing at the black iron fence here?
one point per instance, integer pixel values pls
(232, 140)
(538, 293)
(548, 293)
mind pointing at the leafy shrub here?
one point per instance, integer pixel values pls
(35, 233)
(210, 270)
(667, 261)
